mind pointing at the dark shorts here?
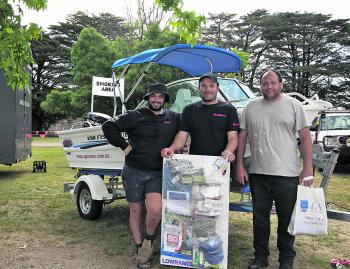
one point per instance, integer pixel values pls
(137, 183)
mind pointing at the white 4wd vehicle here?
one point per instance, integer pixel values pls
(329, 127)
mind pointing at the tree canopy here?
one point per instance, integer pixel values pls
(187, 23)
(311, 50)
(53, 66)
(15, 52)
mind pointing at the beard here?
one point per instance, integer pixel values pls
(208, 98)
(272, 96)
(155, 106)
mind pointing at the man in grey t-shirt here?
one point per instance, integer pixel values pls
(271, 123)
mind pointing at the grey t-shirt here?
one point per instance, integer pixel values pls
(272, 133)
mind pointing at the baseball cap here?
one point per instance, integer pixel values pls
(209, 75)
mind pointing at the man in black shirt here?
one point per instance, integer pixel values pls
(149, 130)
(213, 125)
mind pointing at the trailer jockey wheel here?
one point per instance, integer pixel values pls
(39, 166)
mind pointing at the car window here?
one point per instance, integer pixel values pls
(336, 122)
(234, 92)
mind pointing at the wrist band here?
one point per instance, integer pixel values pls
(308, 178)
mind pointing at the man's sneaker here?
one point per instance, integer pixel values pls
(286, 265)
(258, 263)
(144, 252)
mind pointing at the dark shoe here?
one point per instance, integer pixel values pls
(258, 263)
(286, 265)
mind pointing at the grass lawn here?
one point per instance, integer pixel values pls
(34, 204)
(37, 139)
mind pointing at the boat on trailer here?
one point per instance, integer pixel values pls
(86, 147)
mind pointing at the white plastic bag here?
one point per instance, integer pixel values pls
(309, 214)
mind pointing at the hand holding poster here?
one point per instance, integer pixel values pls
(195, 211)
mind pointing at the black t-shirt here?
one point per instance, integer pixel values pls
(208, 126)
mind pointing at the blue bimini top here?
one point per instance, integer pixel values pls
(194, 60)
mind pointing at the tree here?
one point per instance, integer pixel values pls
(187, 23)
(305, 46)
(53, 67)
(15, 53)
(146, 16)
(59, 103)
(309, 49)
(42, 75)
(66, 33)
(248, 37)
(218, 29)
(242, 36)
(337, 90)
(92, 54)
(339, 95)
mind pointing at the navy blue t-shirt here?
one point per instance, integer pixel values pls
(208, 126)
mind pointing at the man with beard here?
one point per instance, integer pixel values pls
(270, 123)
(212, 124)
(149, 130)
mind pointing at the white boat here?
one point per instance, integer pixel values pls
(89, 149)
(312, 105)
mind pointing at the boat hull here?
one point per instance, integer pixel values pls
(89, 149)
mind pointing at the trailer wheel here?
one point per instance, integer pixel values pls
(88, 208)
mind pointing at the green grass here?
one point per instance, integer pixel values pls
(38, 139)
(35, 204)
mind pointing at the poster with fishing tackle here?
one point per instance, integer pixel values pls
(195, 211)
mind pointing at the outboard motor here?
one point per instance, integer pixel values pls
(96, 118)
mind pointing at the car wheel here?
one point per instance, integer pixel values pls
(88, 208)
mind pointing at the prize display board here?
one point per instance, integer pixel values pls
(195, 211)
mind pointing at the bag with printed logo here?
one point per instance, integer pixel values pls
(309, 214)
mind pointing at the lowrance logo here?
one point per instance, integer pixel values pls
(176, 262)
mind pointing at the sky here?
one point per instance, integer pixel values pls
(57, 10)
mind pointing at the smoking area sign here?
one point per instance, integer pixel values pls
(104, 87)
